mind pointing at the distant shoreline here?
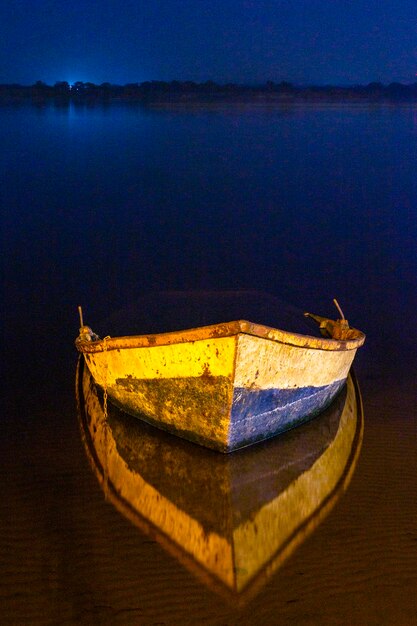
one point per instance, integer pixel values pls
(187, 92)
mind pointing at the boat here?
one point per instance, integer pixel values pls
(225, 385)
(231, 520)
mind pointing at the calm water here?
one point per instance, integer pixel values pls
(104, 204)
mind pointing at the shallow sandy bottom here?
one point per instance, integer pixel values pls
(69, 557)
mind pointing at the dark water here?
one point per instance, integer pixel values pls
(101, 205)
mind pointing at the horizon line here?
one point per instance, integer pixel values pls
(209, 81)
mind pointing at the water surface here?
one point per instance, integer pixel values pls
(104, 204)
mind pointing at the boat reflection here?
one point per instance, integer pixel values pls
(232, 519)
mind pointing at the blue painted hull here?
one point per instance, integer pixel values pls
(260, 414)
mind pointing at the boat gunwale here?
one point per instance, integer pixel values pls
(215, 331)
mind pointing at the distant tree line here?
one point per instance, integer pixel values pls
(188, 91)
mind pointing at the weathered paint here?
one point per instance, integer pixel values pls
(223, 386)
(196, 408)
(260, 414)
(264, 364)
(278, 386)
(186, 388)
(208, 357)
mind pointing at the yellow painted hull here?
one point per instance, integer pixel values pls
(231, 519)
(224, 386)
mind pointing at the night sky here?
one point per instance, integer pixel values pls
(244, 41)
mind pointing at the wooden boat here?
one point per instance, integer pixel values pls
(223, 385)
(232, 520)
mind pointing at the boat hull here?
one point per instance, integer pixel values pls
(222, 388)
